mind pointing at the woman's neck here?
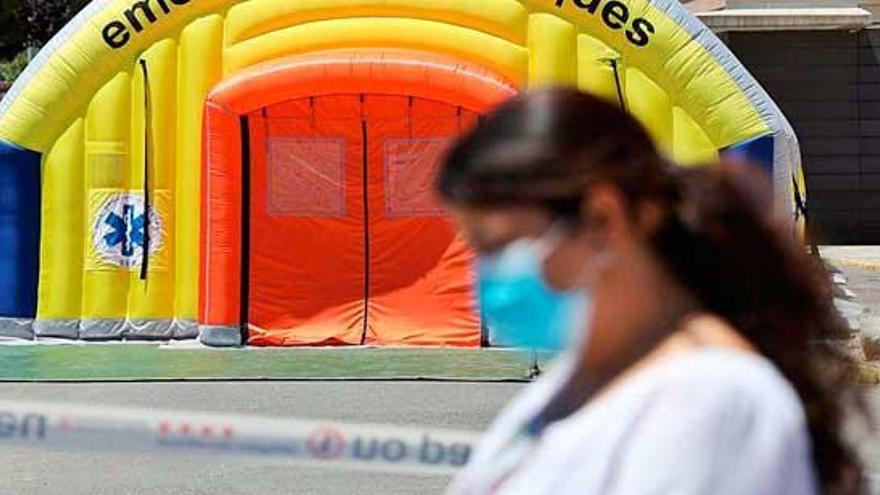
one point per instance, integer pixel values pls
(628, 331)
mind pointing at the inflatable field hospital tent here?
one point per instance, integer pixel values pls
(262, 169)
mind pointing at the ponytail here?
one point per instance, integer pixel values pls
(720, 241)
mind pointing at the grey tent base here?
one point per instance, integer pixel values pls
(17, 328)
(64, 329)
(159, 330)
(150, 330)
(216, 336)
(101, 330)
(186, 330)
(162, 330)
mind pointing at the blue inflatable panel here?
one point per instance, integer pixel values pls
(759, 151)
(19, 231)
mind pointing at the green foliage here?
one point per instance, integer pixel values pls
(10, 70)
(43, 18)
(12, 36)
(32, 22)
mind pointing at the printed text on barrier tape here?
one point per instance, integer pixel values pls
(372, 447)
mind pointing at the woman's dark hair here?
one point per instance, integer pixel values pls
(718, 237)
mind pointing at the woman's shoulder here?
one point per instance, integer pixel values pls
(728, 384)
(715, 420)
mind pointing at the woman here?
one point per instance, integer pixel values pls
(697, 370)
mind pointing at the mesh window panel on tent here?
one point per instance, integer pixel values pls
(410, 168)
(306, 176)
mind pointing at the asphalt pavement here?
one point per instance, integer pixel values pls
(467, 406)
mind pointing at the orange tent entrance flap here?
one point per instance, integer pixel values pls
(422, 276)
(307, 265)
(346, 244)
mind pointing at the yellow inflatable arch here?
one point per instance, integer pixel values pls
(101, 140)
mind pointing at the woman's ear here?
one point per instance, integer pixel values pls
(605, 214)
(650, 217)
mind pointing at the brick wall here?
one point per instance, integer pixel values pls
(828, 85)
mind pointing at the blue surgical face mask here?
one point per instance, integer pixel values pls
(520, 308)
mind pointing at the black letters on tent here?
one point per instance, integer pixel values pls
(142, 14)
(615, 15)
(641, 32)
(116, 35)
(138, 17)
(146, 11)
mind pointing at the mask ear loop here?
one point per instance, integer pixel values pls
(551, 239)
(591, 273)
(586, 284)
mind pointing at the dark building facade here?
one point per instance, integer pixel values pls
(828, 85)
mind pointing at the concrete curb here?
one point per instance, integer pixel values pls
(864, 372)
(873, 266)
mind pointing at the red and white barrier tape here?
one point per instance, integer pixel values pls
(333, 444)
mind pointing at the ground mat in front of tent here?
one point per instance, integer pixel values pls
(170, 363)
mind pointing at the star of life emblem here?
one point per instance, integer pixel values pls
(118, 234)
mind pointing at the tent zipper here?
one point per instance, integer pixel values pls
(148, 207)
(617, 82)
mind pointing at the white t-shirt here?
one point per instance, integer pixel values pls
(716, 421)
